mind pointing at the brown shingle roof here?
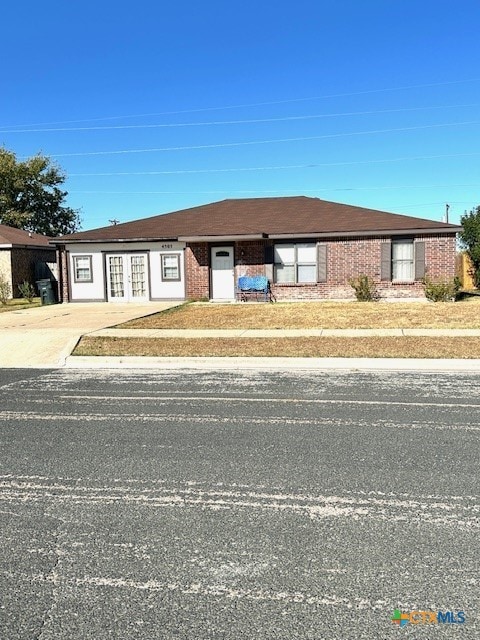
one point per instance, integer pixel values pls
(10, 235)
(262, 216)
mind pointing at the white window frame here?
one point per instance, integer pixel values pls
(296, 262)
(77, 268)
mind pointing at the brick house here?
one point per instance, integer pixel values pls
(308, 248)
(25, 256)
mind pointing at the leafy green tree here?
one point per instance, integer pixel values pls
(470, 239)
(31, 197)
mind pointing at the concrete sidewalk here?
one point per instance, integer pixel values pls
(45, 336)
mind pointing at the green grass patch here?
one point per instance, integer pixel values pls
(19, 303)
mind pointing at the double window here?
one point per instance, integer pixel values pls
(295, 263)
(82, 269)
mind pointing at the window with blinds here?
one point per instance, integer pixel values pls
(403, 260)
(295, 263)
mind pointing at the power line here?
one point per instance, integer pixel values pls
(254, 142)
(235, 122)
(260, 104)
(283, 191)
(272, 167)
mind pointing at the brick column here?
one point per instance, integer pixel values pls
(197, 271)
(63, 289)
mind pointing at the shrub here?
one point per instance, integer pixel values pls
(5, 289)
(364, 288)
(27, 290)
(441, 290)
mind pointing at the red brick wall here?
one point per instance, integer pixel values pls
(440, 254)
(326, 291)
(197, 271)
(249, 258)
(63, 289)
(346, 258)
(349, 257)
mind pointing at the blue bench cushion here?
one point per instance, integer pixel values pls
(253, 283)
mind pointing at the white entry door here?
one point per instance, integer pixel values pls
(127, 277)
(223, 275)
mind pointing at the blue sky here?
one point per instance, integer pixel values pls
(152, 107)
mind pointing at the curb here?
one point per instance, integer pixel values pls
(267, 364)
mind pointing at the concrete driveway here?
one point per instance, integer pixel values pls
(45, 336)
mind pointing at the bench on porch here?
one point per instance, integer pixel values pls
(248, 286)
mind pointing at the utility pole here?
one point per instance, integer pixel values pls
(447, 207)
(115, 221)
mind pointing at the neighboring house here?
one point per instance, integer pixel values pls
(308, 248)
(25, 256)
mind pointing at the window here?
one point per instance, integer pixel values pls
(82, 269)
(403, 260)
(295, 263)
(171, 267)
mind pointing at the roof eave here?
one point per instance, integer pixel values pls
(261, 236)
(371, 233)
(19, 245)
(61, 241)
(223, 238)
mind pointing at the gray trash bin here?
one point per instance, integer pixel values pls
(46, 292)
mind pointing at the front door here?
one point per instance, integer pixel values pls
(223, 275)
(127, 277)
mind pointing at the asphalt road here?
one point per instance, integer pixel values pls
(175, 505)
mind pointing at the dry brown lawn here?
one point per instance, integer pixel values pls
(316, 315)
(401, 347)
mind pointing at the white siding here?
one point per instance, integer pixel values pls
(96, 290)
